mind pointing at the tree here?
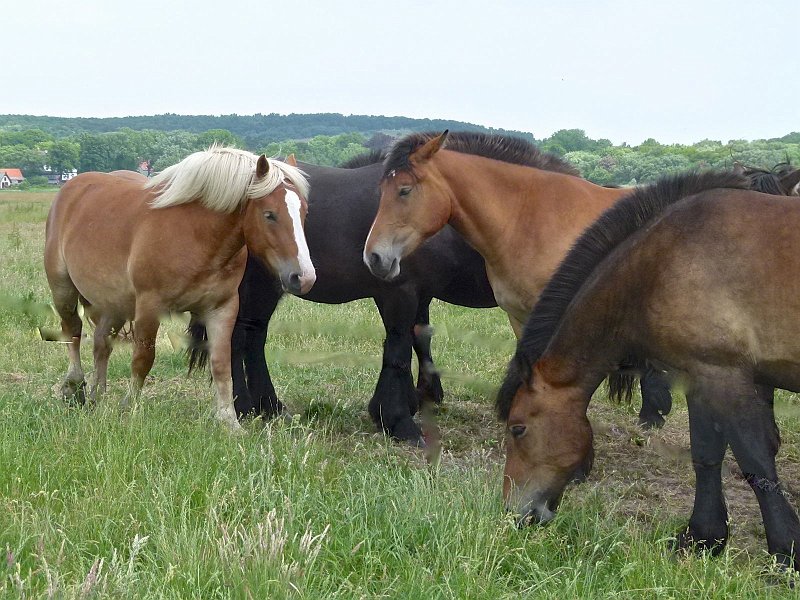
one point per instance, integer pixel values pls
(217, 136)
(63, 155)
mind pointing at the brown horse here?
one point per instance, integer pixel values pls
(706, 282)
(132, 250)
(520, 208)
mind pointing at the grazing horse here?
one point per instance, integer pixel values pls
(520, 208)
(695, 273)
(131, 249)
(342, 205)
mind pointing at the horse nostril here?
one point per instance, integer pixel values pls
(374, 259)
(294, 281)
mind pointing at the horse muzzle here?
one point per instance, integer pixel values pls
(297, 283)
(382, 266)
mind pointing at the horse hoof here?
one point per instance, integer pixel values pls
(74, 392)
(651, 422)
(687, 541)
(406, 430)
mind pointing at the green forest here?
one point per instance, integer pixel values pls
(34, 144)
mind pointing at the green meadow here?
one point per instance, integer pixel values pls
(161, 502)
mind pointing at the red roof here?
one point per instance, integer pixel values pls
(13, 173)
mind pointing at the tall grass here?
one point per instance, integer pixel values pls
(160, 502)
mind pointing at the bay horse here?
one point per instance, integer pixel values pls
(699, 274)
(520, 208)
(342, 205)
(129, 249)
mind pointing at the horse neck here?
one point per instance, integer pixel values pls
(592, 336)
(223, 234)
(497, 206)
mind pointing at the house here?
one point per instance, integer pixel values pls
(9, 177)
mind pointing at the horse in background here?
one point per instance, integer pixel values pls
(699, 274)
(342, 204)
(129, 249)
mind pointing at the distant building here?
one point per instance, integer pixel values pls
(9, 177)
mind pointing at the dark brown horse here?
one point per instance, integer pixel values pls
(700, 275)
(520, 208)
(131, 250)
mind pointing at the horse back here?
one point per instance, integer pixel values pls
(719, 275)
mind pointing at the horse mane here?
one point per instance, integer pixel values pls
(221, 179)
(364, 159)
(505, 148)
(611, 229)
(768, 181)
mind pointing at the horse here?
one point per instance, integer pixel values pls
(342, 205)
(520, 208)
(699, 274)
(129, 249)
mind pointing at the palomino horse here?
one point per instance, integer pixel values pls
(342, 204)
(134, 250)
(521, 219)
(705, 282)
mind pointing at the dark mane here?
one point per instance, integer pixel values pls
(768, 181)
(499, 147)
(613, 227)
(364, 160)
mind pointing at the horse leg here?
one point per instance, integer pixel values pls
(242, 400)
(65, 300)
(429, 383)
(395, 399)
(145, 330)
(259, 295)
(708, 525)
(104, 326)
(656, 399)
(259, 381)
(219, 324)
(755, 440)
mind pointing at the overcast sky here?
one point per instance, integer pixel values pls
(678, 71)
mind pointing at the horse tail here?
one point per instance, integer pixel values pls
(622, 381)
(198, 345)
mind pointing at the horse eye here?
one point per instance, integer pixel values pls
(404, 191)
(517, 431)
(270, 216)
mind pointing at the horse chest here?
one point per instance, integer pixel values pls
(510, 297)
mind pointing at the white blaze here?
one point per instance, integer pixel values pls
(303, 257)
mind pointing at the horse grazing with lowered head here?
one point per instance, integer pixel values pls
(133, 250)
(701, 275)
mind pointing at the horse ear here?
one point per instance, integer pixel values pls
(738, 168)
(789, 181)
(262, 167)
(429, 148)
(291, 160)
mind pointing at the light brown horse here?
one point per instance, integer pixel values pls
(133, 250)
(706, 281)
(520, 208)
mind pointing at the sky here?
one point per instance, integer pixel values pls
(678, 71)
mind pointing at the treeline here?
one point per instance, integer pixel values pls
(254, 130)
(34, 150)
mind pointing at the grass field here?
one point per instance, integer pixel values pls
(161, 502)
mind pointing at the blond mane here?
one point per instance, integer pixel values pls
(221, 179)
